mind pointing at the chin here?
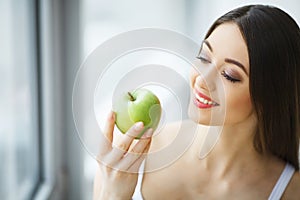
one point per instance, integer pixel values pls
(197, 117)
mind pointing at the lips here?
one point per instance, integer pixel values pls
(203, 101)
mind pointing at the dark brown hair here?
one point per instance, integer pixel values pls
(273, 42)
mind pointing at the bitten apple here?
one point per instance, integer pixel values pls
(138, 105)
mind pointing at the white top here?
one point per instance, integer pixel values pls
(137, 195)
(282, 182)
(276, 193)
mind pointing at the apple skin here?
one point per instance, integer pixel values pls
(138, 105)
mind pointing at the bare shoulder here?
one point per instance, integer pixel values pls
(293, 189)
(172, 145)
(167, 161)
(170, 132)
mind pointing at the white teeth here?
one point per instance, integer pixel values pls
(205, 101)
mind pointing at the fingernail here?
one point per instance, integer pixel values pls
(148, 133)
(138, 126)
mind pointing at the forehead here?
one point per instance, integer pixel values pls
(227, 42)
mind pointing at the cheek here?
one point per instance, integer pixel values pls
(239, 105)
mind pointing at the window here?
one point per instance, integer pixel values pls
(19, 127)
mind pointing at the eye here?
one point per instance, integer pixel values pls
(229, 78)
(203, 59)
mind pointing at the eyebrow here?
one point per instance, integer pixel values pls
(240, 65)
(208, 45)
(228, 60)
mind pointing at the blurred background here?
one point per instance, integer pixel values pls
(43, 43)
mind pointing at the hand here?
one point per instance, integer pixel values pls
(119, 161)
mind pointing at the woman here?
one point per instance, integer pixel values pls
(246, 86)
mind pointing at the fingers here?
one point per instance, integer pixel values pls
(107, 138)
(122, 154)
(109, 126)
(131, 134)
(122, 147)
(137, 154)
(134, 168)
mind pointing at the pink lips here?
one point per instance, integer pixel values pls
(200, 104)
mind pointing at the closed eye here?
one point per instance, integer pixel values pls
(229, 78)
(203, 59)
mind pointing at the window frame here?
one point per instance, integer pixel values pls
(27, 12)
(45, 186)
(61, 174)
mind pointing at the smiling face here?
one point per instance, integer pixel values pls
(219, 80)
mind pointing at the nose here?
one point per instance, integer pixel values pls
(206, 79)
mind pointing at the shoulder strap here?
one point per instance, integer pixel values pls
(282, 182)
(137, 195)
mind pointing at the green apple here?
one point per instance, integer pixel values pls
(138, 105)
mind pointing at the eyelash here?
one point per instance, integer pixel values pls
(229, 78)
(223, 73)
(202, 59)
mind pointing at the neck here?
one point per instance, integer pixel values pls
(231, 147)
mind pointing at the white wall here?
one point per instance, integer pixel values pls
(204, 13)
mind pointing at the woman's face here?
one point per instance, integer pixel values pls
(219, 80)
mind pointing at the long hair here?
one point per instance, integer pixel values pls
(273, 42)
